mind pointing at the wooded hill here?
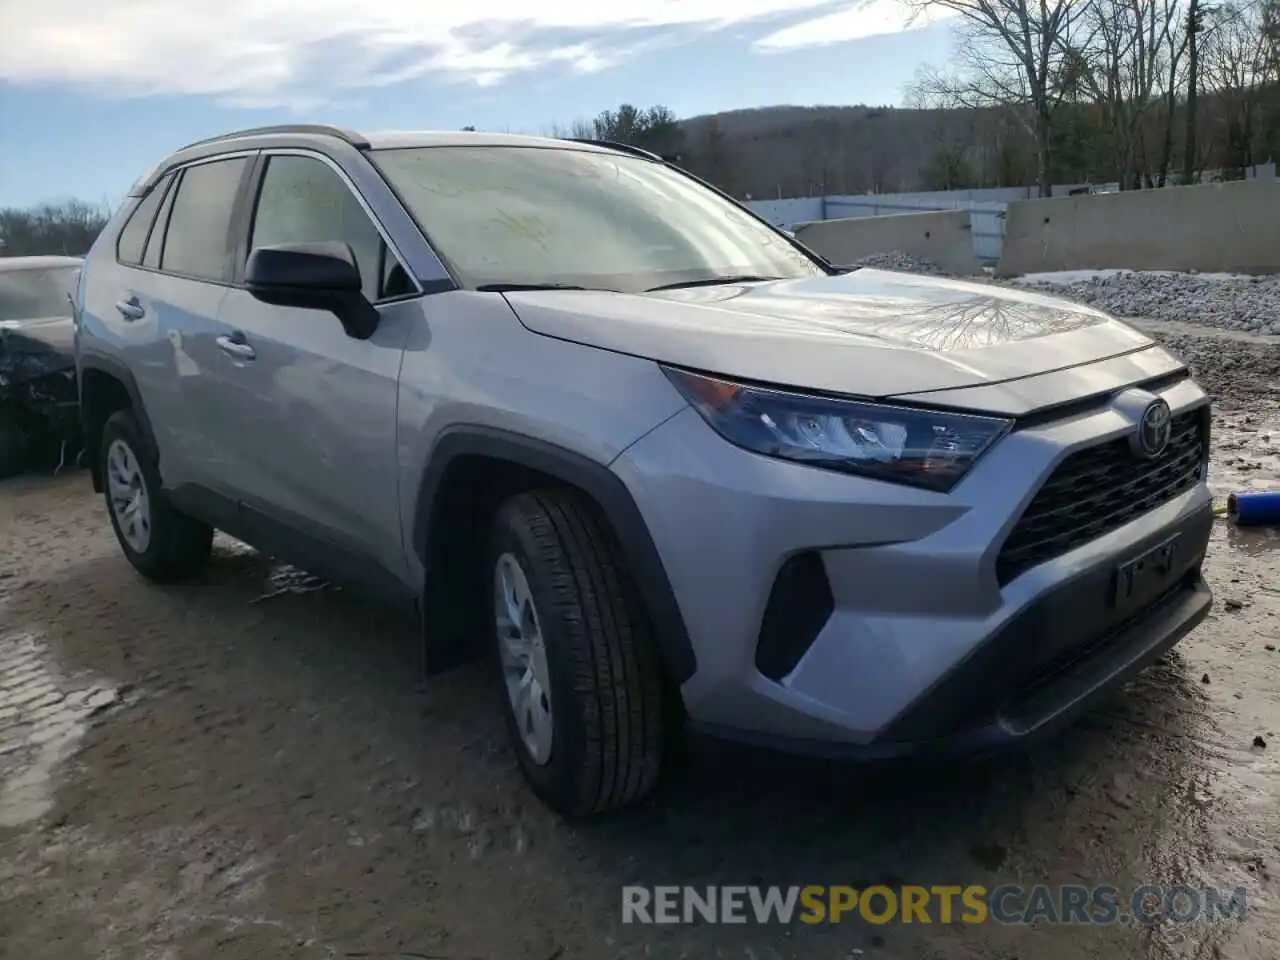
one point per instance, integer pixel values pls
(1140, 92)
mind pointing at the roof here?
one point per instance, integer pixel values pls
(388, 139)
(393, 139)
(337, 139)
(399, 139)
(38, 263)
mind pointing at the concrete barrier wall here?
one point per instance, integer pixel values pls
(943, 237)
(1218, 227)
(784, 213)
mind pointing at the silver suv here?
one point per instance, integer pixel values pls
(578, 409)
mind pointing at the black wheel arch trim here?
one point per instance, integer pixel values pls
(598, 482)
(117, 370)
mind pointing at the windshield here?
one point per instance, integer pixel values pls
(36, 293)
(533, 215)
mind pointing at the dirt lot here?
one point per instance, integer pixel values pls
(188, 773)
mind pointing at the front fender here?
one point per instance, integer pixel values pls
(600, 483)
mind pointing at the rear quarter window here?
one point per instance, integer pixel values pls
(155, 242)
(136, 229)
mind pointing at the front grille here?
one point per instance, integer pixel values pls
(1099, 489)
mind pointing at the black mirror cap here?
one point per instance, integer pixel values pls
(325, 267)
(313, 276)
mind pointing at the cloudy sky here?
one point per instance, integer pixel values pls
(94, 91)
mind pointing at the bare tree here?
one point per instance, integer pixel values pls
(1196, 11)
(1237, 66)
(1019, 52)
(1122, 53)
(67, 229)
(578, 130)
(946, 147)
(1174, 58)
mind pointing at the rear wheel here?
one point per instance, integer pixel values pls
(580, 677)
(162, 543)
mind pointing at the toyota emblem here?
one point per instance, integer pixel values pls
(1154, 429)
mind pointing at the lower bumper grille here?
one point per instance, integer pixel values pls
(799, 606)
(1101, 488)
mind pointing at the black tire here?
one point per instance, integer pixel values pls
(14, 444)
(179, 545)
(605, 676)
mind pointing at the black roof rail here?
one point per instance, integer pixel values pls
(318, 129)
(616, 145)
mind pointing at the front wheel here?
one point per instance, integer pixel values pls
(162, 543)
(580, 677)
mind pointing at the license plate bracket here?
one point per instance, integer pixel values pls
(1146, 575)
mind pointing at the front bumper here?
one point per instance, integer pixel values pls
(1001, 696)
(923, 648)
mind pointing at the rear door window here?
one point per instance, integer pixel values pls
(195, 243)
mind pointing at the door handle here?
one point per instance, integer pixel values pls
(131, 309)
(236, 347)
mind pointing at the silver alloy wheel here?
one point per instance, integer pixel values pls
(524, 657)
(130, 502)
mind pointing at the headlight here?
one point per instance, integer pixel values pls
(923, 448)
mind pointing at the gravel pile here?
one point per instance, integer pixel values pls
(897, 260)
(1249, 304)
(1228, 368)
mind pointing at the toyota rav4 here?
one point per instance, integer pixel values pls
(580, 410)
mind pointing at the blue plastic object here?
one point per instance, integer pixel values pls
(1254, 509)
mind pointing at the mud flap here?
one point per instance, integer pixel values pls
(450, 632)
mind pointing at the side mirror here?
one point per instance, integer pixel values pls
(313, 276)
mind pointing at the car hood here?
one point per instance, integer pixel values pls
(869, 333)
(30, 349)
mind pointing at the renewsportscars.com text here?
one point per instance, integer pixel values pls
(1008, 904)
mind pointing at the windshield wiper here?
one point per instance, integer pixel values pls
(712, 281)
(515, 287)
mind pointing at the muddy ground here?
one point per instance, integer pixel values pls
(225, 770)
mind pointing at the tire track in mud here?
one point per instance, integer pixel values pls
(43, 716)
